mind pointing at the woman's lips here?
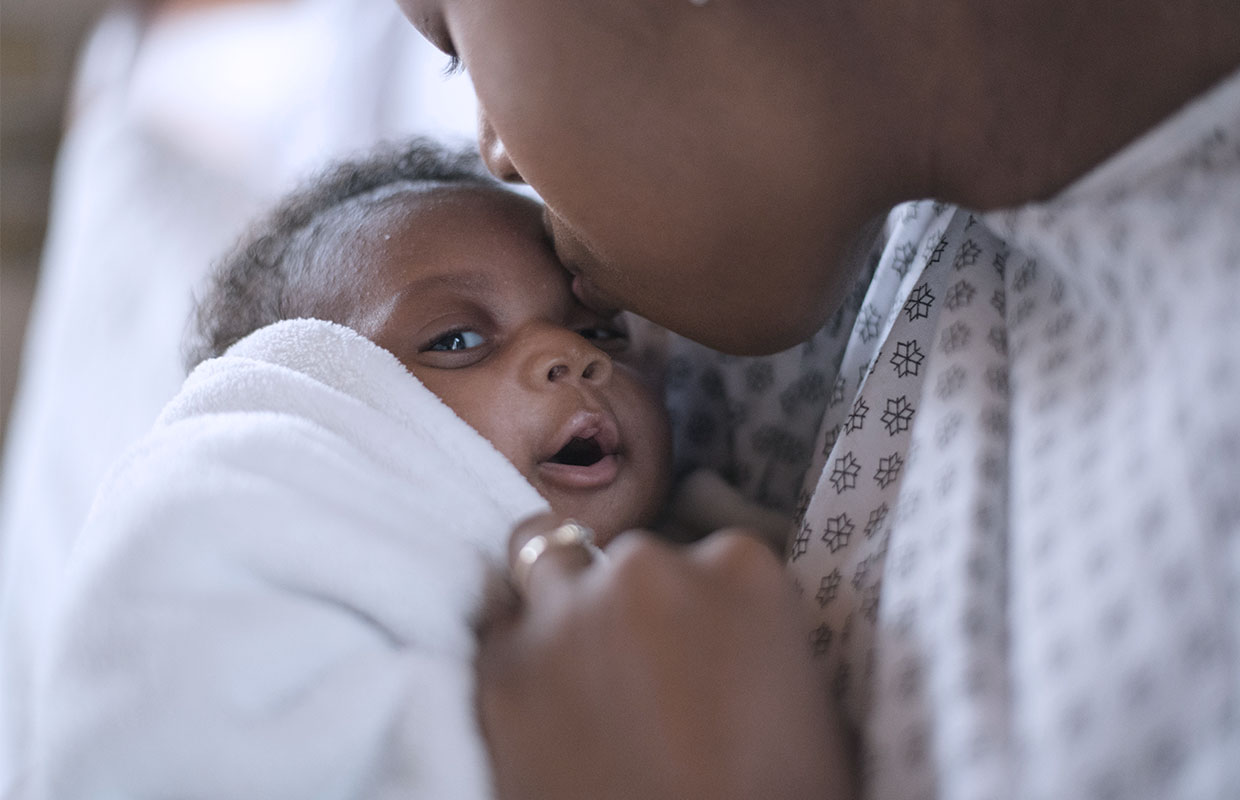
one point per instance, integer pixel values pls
(572, 253)
(592, 298)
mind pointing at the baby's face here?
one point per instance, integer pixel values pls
(463, 287)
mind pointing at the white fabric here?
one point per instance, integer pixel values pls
(1022, 546)
(179, 132)
(273, 595)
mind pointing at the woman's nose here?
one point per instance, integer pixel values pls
(560, 356)
(494, 154)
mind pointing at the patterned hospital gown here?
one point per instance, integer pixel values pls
(1019, 529)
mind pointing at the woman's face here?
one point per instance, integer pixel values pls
(677, 147)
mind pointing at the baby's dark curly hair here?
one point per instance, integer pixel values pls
(277, 270)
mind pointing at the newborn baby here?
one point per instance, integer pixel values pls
(422, 253)
(275, 593)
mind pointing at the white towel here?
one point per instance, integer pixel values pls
(273, 595)
(184, 126)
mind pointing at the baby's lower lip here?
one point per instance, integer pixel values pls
(567, 476)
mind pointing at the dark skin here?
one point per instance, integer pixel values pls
(729, 152)
(707, 163)
(462, 286)
(678, 721)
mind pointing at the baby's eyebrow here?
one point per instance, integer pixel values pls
(479, 281)
(478, 285)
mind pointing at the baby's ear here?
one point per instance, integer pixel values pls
(703, 502)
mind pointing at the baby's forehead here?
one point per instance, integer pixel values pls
(442, 217)
(398, 233)
(411, 198)
(448, 217)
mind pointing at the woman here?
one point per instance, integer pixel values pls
(1055, 607)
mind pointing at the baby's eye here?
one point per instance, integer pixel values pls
(604, 337)
(456, 340)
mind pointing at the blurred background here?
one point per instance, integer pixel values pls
(38, 43)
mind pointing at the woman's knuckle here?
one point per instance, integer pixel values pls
(635, 554)
(739, 557)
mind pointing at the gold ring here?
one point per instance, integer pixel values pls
(570, 533)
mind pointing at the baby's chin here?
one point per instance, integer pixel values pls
(605, 519)
(635, 498)
(605, 529)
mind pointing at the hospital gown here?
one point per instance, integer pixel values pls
(1019, 527)
(1021, 530)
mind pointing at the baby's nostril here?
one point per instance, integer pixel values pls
(557, 372)
(589, 371)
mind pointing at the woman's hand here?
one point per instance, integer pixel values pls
(659, 672)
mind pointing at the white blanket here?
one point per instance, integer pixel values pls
(273, 595)
(183, 127)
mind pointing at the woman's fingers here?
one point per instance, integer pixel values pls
(665, 672)
(545, 550)
(738, 553)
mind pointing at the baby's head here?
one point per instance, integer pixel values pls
(422, 253)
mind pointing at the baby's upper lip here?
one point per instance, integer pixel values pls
(587, 424)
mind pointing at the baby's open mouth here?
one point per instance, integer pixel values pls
(589, 456)
(579, 452)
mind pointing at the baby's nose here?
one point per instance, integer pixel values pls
(558, 355)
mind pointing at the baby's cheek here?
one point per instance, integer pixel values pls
(643, 365)
(655, 447)
(483, 408)
(502, 436)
